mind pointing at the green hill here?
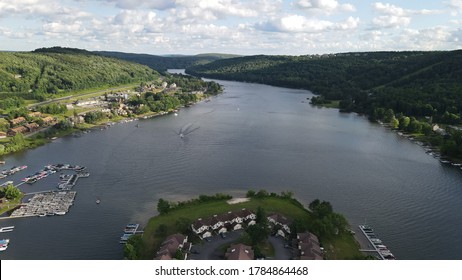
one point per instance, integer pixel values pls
(410, 91)
(402, 81)
(35, 75)
(162, 63)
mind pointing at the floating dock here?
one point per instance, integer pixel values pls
(46, 204)
(129, 230)
(383, 252)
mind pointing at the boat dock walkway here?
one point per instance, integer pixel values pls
(375, 246)
(130, 229)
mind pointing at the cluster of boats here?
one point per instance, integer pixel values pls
(60, 167)
(11, 171)
(46, 204)
(129, 230)
(4, 244)
(38, 176)
(383, 251)
(53, 168)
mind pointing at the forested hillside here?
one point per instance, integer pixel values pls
(162, 63)
(36, 75)
(406, 82)
(411, 91)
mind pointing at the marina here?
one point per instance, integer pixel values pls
(46, 204)
(13, 170)
(377, 246)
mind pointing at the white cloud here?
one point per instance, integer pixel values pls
(455, 6)
(392, 16)
(324, 6)
(424, 39)
(218, 8)
(138, 4)
(27, 7)
(7, 33)
(391, 21)
(297, 23)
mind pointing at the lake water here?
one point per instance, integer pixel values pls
(250, 137)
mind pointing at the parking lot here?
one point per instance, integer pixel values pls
(212, 248)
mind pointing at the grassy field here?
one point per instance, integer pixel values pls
(11, 204)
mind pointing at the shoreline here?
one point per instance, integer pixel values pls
(101, 125)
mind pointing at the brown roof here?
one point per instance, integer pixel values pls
(32, 126)
(163, 257)
(169, 248)
(48, 119)
(199, 223)
(35, 114)
(17, 121)
(280, 219)
(309, 246)
(239, 252)
(179, 238)
(19, 129)
(307, 237)
(2, 133)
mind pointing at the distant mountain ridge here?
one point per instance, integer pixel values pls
(164, 62)
(411, 76)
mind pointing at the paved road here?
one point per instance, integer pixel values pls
(211, 250)
(102, 91)
(280, 252)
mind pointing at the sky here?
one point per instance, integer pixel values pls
(280, 27)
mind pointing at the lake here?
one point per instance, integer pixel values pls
(250, 137)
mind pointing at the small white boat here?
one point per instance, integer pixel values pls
(7, 229)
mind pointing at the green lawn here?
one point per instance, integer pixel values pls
(11, 204)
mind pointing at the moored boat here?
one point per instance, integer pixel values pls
(7, 229)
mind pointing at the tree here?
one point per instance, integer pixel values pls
(163, 206)
(257, 233)
(250, 193)
(404, 122)
(11, 192)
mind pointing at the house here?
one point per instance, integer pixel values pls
(247, 215)
(17, 121)
(35, 114)
(2, 134)
(309, 247)
(222, 223)
(436, 128)
(284, 222)
(215, 223)
(16, 130)
(48, 120)
(201, 228)
(239, 252)
(32, 127)
(171, 245)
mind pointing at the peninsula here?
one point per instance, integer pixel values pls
(265, 225)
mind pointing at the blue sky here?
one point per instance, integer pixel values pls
(231, 26)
